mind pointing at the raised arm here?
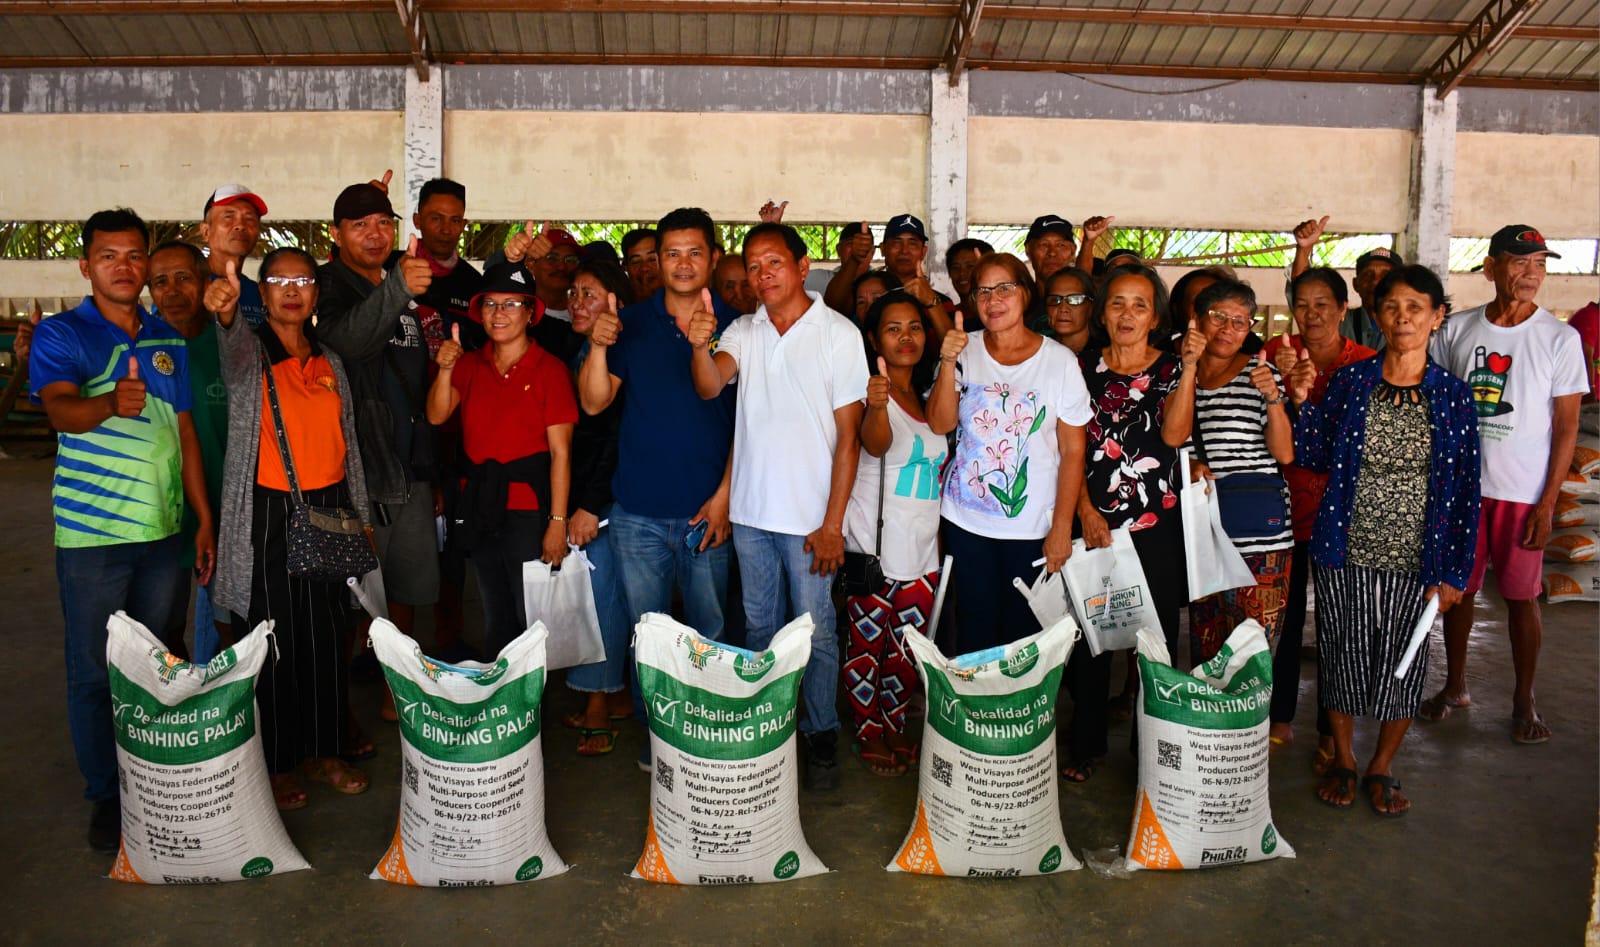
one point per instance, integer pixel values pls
(597, 387)
(1306, 235)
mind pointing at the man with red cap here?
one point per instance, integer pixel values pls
(1527, 375)
(230, 225)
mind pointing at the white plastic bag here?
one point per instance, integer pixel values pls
(1047, 597)
(988, 800)
(1109, 595)
(563, 599)
(1212, 564)
(472, 800)
(196, 800)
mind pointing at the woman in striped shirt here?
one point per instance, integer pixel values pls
(1242, 426)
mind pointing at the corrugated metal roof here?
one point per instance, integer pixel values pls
(1369, 40)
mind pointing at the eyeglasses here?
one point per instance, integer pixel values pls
(1223, 319)
(553, 257)
(299, 282)
(1070, 299)
(510, 307)
(586, 295)
(998, 290)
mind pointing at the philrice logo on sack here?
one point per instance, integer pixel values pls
(472, 794)
(987, 797)
(724, 790)
(1203, 793)
(196, 800)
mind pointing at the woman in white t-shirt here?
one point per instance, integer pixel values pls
(899, 475)
(1018, 405)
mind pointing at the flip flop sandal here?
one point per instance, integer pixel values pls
(289, 797)
(1347, 784)
(346, 780)
(879, 764)
(1080, 771)
(1322, 760)
(1389, 785)
(909, 755)
(1529, 731)
(1438, 707)
(585, 733)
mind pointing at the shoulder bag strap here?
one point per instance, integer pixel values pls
(877, 542)
(1199, 442)
(283, 438)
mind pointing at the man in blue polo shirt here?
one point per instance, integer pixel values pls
(230, 225)
(670, 522)
(115, 384)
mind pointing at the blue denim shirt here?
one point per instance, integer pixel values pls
(1331, 438)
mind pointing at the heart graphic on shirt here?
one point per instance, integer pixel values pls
(1499, 364)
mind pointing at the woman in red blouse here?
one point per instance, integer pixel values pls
(517, 414)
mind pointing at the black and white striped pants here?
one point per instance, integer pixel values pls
(1364, 621)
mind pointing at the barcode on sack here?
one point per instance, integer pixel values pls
(1169, 755)
(664, 775)
(411, 777)
(942, 770)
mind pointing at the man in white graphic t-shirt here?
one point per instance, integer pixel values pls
(1527, 375)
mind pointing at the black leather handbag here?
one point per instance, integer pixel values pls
(862, 573)
(325, 544)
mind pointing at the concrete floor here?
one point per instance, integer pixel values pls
(1499, 846)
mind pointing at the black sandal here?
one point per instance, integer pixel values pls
(1080, 771)
(1347, 784)
(1389, 785)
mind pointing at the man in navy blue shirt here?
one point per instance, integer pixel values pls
(230, 225)
(670, 522)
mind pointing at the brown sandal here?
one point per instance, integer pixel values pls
(343, 778)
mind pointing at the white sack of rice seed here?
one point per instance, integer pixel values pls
(724, 793)
(987, 798)
(196, 800)
(472, 765)
(1203, 798)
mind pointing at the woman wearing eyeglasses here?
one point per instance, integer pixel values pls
(1143, 400)
(517, 414)
(1069, 305)
(1017, 403)
(1242, 426)
(302, 695)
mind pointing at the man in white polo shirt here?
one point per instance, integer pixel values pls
(802, 376)
(1527, 375)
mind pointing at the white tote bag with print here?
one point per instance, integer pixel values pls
(1109, 595)
(1047, 597)
(563, 598)
(1212, 563)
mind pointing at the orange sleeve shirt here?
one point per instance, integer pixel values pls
(309, 397)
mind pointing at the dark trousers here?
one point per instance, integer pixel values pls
(1286, 662)
(988, 610)
(301, 692)
(498, 561)
(1088, 677)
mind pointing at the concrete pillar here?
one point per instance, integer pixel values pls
(424, 139)
(947, 169)
(1433, 184)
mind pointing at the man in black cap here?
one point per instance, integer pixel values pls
(905, 247)
(1526, 371)
(1360, 322)
(365, 314)
(1051, 245)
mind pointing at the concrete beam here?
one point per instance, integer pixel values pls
(947, 166)
(424, 136)
(1433, 184)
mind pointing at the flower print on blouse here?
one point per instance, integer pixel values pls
(1131, 471)
(994, 460)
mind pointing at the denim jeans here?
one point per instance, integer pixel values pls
(651, 559)
(138, 578)
(616, 622)
(775, 565)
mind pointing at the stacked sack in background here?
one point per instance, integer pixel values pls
(1572, 557)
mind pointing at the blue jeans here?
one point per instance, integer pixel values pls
(207, 643)
(652, 559)
(616, 626)
(774, 566)
(138, 578)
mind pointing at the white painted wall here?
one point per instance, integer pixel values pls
(1551, 182)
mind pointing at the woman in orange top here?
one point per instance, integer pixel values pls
(301, 697)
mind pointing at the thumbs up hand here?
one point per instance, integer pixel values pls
(607, 325)
(128, 396)
(222, 295)
(862, 247)
(955, 341)
(417, 272)
(450, 350)
(1301, 377)
(702, 322)
(382, 184)
(540, 245)
(878, 387)
(1261, 377)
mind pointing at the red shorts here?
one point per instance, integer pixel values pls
(1500, 530)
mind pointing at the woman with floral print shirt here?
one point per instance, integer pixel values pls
(1132, 474)
(1017, 403)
